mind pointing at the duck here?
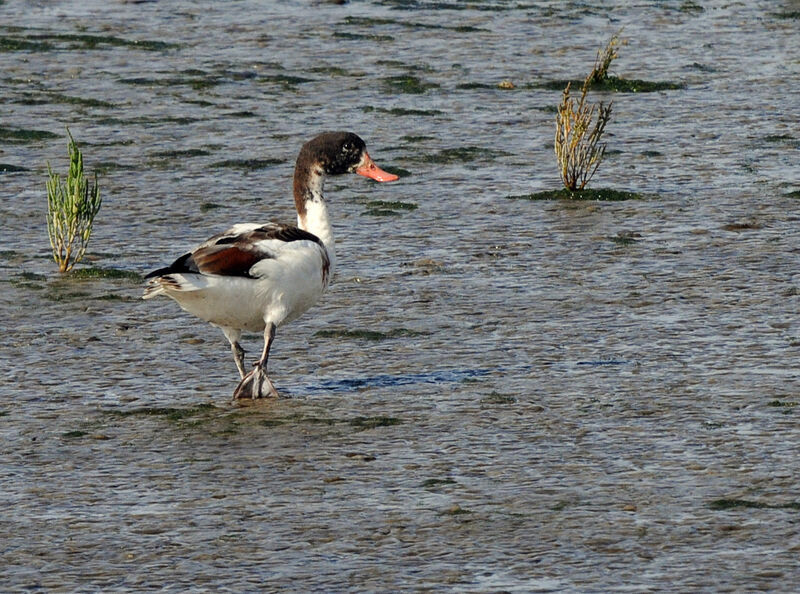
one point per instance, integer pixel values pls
(255, 277)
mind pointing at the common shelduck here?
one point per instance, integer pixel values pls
(257, 276)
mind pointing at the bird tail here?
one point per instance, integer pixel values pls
(161, 285)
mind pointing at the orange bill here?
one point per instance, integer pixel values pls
(372, 171)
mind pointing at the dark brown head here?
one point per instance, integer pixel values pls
(336, 153)
(331, 153)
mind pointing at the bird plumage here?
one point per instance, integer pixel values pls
(258, 276)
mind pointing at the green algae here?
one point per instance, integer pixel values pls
(691, 7)
(462, 154)
(408, 84)
(166, 159)
(613, 84)
(361, 36)
(32, 276)
(398, 171)
(80, 101)
(80, 41)
(196, 83)
(364, 423)
(334, 71)
(248, 164)
(180, 154)
(625, 238)
(45, 42)
(473, 85)
(171, 414)
(727, 504)
(20, 135)
(95, 272)
(65, 296)
(455, 5)
(9, 168)
(74, 434)
(358, 423)
(783, 139)
(115, 297)
(272, 422)
(602, 195)
(498, 86)
(15, 44)
(367, 21)
(242, 114)
(388, 208)
(146, 120)
(311, 420)
(416, 138)
(49, 98)
(782, 404)
(206, 206)
(30, 281)
(372, 335)
(285, 81)
(199, 102)
(28, 286)
(437, 482)
(496, 398)
(104, 167)
(742, 226)
(400, 111)
(381, 212)
(408, 67)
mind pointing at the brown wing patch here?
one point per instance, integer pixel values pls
(226, 260)
(234, 254)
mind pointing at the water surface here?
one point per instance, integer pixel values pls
(566, 396)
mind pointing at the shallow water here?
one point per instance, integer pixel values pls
(566, 396)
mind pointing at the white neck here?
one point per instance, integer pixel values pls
(315, 219)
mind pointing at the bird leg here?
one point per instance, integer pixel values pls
(233, 337)
(238, 356)
(257, 384)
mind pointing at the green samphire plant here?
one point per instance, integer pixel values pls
(71, 208)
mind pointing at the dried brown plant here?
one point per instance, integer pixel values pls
(602, 61)
(578, 133)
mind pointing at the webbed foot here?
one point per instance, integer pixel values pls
(256, 384)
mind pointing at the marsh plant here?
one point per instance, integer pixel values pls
(602, 61)
(580, 126)
(578, 133)
(71, 208)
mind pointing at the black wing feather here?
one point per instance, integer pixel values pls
(183, 264)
